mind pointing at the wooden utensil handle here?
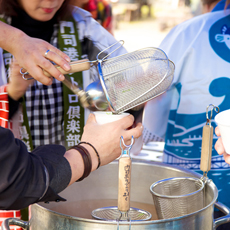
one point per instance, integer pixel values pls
(124, 183)
(206, 148)
(76, 66)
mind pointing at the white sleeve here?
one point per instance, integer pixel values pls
(3, 80)
(156, 111)
(155, 117)
(103, 39)
(92, 30)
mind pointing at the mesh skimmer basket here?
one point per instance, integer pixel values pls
(127, 81)
(178, 196)
(123, 212)
(134, 78)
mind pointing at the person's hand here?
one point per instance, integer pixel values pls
(17, 85)
(106, 138)
(220, 147)
(30, 54)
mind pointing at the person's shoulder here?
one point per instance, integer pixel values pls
(210, 17)
(201, 21)
(188, 34)
(80, 14)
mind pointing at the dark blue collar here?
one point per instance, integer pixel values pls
(220, 6)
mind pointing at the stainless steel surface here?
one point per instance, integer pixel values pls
(14, 221)
(112, 213)
(102, 185)
(152, 151)
(92, 97)
(95, 97)
(177, 196)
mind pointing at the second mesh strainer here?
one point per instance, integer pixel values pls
(179, 196)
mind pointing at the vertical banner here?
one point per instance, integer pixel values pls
(74, 120)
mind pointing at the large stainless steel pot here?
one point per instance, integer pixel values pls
(100, 190)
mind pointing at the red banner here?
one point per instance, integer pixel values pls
(4, 111)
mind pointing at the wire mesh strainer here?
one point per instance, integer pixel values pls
(126, 81)
(134, 78)
(122, 212)
(179, 196)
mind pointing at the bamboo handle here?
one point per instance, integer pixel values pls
(124, 184)
(206, 148)
(75, 88)
(76, 66)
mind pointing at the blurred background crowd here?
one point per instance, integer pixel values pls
(148, 21)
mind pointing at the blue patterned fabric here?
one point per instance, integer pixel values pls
(200, 50)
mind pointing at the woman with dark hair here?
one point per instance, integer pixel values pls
(53, 114)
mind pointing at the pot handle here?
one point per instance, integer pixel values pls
(14, 221)
(224, 219)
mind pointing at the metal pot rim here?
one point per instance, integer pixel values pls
(209, 183)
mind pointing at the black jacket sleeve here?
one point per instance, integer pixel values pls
(22, 174)
(13, 106)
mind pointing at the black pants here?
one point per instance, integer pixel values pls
(223, 226)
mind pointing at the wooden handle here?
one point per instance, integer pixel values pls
(76, 66)
(206, 148)
(124, 183)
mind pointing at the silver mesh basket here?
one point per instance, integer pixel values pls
(112, 213)
(178, 196)
(132, 79)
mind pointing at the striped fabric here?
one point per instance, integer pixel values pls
(10, 214)
(4, 114)
(4, 107)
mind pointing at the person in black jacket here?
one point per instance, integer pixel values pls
(30, 177)
(27, 178)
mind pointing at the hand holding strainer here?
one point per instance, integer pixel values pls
(122, 212)
(179, 196)
(126, 81)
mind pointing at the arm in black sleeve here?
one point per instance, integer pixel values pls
(13, 106)
(23, 174)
